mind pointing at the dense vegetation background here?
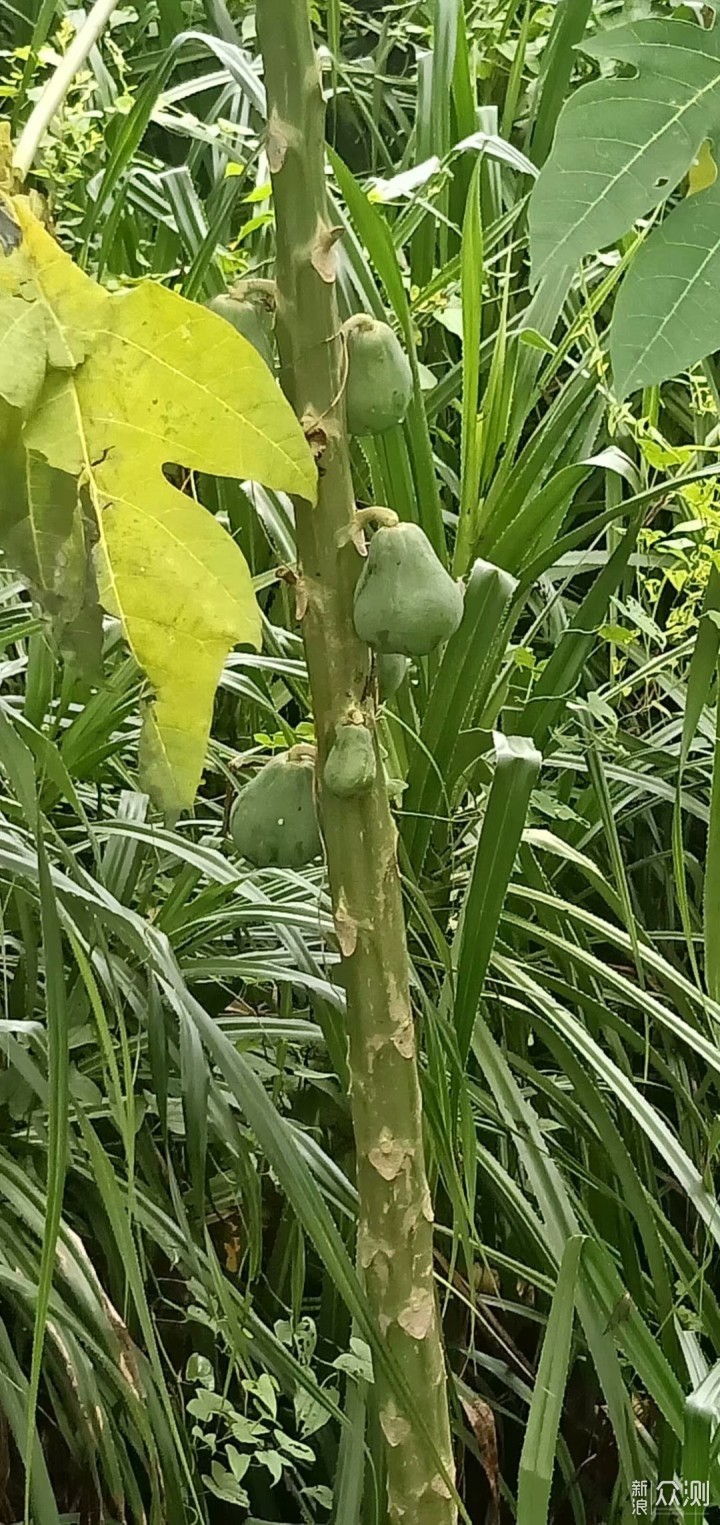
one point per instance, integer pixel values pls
(200, 1361)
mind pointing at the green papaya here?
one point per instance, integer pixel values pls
(252, 318)
(391, 672)
(273, 821)
(379, 382)
(350, 767)
(405, 601)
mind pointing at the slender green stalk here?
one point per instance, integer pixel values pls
(395, 1231)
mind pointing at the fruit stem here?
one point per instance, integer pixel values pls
(395, 1235)
(384, 518)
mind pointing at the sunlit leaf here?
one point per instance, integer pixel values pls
(139, 381)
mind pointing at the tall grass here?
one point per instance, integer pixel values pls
(173, 1101)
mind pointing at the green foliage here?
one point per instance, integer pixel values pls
(538, 1454)
(587, 1105)
(231, 1439)
(677, 269)
(620, 151)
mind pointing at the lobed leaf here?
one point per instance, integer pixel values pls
(136, 381)
(665, 317)
(623, 145)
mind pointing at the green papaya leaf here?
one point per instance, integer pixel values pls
(666, 316)
(623, 145)
(138, 381)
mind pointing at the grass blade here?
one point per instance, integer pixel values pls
(537, 1462)
(517, 764)
(58, 1104)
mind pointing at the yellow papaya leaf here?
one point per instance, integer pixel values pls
(23, 351)
(138, 381)
(37, 271)
(46, 539)
(703, 170)
(44, 531)
(39, 522)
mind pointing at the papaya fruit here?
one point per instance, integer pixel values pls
(273, 821)
(350, 766)
(251, 317)
(391, 672)
(379, 382)
(405, 601)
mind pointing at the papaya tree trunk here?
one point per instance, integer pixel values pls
(395, 1243)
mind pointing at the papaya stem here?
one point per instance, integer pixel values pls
(395, 1235)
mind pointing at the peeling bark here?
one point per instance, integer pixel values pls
(395, 1215)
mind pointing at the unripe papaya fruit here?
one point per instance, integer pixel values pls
(379, 382)
(391, 672)
(252, 318)
(405, 601)
(350, 767)
(273, 821)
